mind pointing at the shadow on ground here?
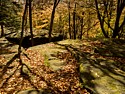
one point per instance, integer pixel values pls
(100, 70)
(100, 67)
(5, 47)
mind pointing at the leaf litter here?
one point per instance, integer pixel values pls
(41, 77)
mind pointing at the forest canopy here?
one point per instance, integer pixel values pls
(74, 18)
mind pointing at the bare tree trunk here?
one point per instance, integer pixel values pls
(23, 22)
(69, 20)
(1, 24)
(115, 31)
(56, 2)
(117, 28)
(101, 20)
(51, 23)
(2, 30)
(74, 24)
(30, 21)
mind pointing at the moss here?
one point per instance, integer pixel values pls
(46, 60)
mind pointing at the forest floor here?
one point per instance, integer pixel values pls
(61, 67)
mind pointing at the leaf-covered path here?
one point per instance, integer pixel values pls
(47, 69)
(57, 68)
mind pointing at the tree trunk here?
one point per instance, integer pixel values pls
(117, 28)
(23, 21)
(69, 21)
(2, 30)
(30, 21)
(1, 24)
(74, 24)
(51, 23)
(56, 2)
(100, 20)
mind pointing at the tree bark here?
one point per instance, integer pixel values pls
(30, 21)
(117, 28)
(2, 30)
(23, 21)
(1, 24)
(69, 20)
(56, 2)
(100, 19)
(74, 24)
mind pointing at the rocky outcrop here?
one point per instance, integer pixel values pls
(26, 43)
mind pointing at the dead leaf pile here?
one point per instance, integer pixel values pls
(42, 77)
